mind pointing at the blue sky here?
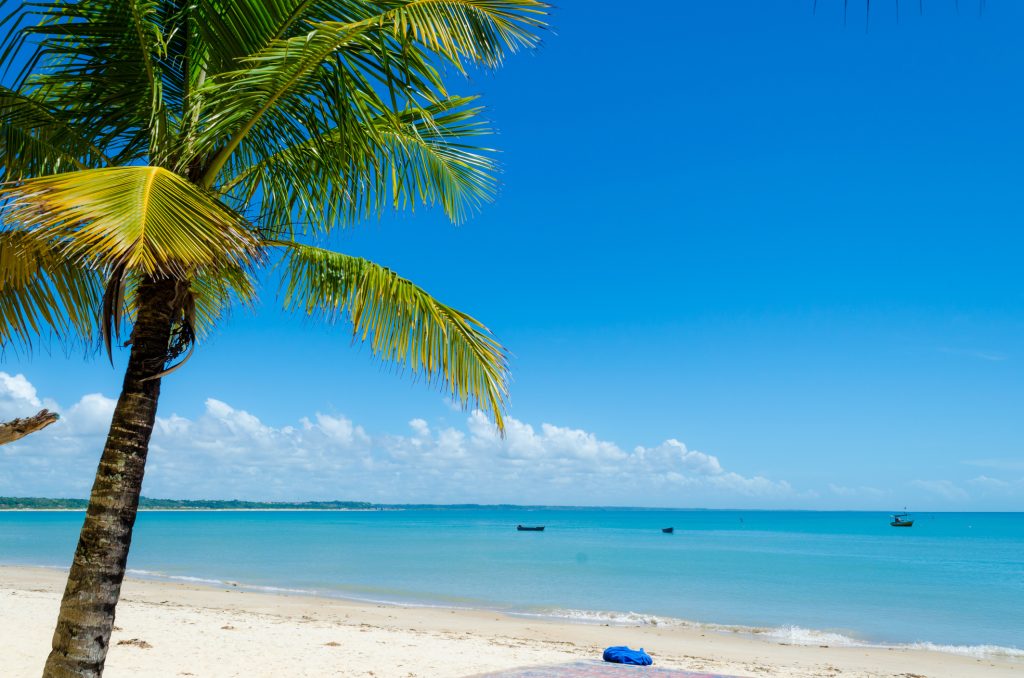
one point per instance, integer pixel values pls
(790, 244)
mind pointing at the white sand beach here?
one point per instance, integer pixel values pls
(172, 629)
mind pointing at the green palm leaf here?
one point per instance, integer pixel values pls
(144, 220)
(36, 140)
(403, 324)
(215, 293)
(41, 290)
(234, 30)
(101, 68)
(393, 42)
(420, 155)
(430, 160)
(480, 31)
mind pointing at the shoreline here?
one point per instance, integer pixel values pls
(186, 626)
(198, 510)
(781, 635)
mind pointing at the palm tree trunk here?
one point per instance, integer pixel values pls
(94, 584)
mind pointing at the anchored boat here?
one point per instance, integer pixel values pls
(668, 530)
(902, 520)
(524, 528)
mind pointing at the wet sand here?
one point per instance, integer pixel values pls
(173, 629)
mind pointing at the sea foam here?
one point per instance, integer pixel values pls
(785, 635)
(163, 576)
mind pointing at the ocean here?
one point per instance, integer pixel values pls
(953, 582)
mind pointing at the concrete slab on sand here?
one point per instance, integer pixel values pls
(597, 669)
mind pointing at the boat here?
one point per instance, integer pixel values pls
(902, 520)
(668, 530)
(524, 528)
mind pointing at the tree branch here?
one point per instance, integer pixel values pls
(19, 428)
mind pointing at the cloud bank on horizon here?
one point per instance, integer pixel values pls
(231, 453)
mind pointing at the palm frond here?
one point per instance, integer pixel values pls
(215, 292)
(242, 97)
(479, 31)
(35, 140)
(149, 48)
(210, 37)
(41, 291)
(135, 219)
(430, 161)
(97, 63)
(235, 30)
(420, 155)
(396, 42)
(403, 324)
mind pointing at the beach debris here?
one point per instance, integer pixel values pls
(135, 642)
(17, 429)
(620, 654)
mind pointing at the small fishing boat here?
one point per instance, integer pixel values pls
(668, 530)
(902, 520)
(524, 528)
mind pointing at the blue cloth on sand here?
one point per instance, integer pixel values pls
(620, 654)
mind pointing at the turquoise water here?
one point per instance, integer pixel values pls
(954, 579)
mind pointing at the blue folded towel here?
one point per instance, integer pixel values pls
(620, 654)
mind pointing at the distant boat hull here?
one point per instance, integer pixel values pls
(523, 528)
(902, 520)
(668, 530)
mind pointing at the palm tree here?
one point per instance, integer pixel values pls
(161, 158)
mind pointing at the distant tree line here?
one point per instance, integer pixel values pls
(146, 502)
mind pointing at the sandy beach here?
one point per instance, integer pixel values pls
(172, 629)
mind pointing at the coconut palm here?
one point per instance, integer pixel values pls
(161, 159)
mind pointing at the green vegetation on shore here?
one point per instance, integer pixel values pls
(228, 504)
(147, 503)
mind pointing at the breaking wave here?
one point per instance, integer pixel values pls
(151, 574)
(787, 635)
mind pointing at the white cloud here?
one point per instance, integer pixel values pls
(694, 461)
(421, 427)
(757, 486)
(18, 397)
(17, 389)
(90, 416)
(1001, 463)
(856, 492)
(997, 486)
(228, 452)
(942, 488)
